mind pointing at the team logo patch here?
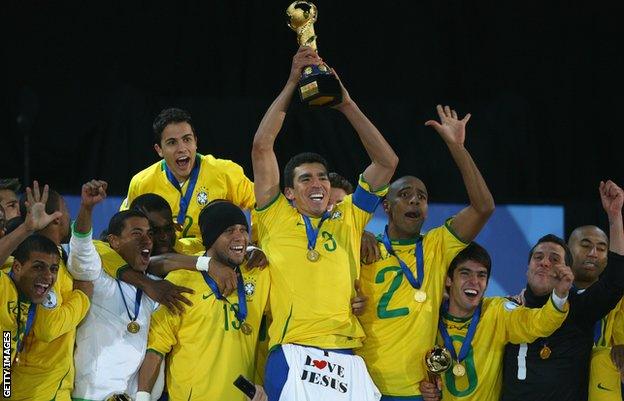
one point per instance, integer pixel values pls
(50, 300)
(510, 305)
(336, 215)
(202, 197)
(250, 287)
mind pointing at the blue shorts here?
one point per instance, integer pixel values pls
(276, 371)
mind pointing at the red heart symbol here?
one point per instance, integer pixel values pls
(319, 364)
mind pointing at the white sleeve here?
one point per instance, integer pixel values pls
(84, 262)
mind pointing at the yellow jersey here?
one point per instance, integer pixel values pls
(604, 377)
(46, 368)
(310, 300)
(207, 338)
(393, 315)
(501, 322)
(217, 179)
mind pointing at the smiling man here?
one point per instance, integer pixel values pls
(557, 367)
(314, 255)
(405, 286)
(475, 329)
(186, 179)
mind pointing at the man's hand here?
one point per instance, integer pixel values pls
(93, 192)
(84, 286)
(369, 250)
(563, 279)
(617, 356)
(256, 258)
(519, 299)
(346, 98)
(168, 294)
(260, 394)
(36, 217)
(431, 391)
(304, 57)
(224, 275)
(451, 128)
(358, 304)
(612, 197)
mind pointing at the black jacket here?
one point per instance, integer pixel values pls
(564, 375)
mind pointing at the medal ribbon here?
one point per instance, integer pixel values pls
(32, 310)
(185, 199)
(311, 232)
(137, 302)
(420, 261)
(467, 343)
(241, 311)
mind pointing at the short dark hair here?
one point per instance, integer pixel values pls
(474, 252)
(34, 243)
(169, 116)
(12, 184)
(150, 202)
(118, 221)
(338, 181)
(52, 205)
(298, 160)
(569, 260)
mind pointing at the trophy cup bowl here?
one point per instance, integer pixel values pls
(437, 360)
(318, 86)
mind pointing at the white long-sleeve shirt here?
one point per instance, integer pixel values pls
(107, 356)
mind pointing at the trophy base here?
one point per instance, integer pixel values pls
(318, 87)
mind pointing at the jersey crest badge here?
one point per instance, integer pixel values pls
(202, 197)
(50, 300)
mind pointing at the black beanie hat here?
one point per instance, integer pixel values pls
(216, 217)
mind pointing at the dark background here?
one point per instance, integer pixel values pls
(86, 79)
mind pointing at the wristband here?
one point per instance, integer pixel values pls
(143, 396)
(203, 263)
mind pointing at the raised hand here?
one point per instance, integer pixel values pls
(305, 56)
(451, 128)
(346, 98)
(563, 279)
(612, 197)
(93, 192)
(36, 216)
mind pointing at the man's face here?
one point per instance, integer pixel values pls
(589, 246)
(546, 256)
(10, 203)
(406, 205)
(230, 247)
(135, 243)
(178, 146)
(311, 189)
(37, 275)
(468, 285)
(163, 232)
(336, 195)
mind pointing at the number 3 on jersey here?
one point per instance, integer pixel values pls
(382, 307)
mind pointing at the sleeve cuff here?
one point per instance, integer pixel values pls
(79, 234)
(558, 302)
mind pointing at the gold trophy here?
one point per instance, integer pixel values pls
(318, 86)
(437, 360)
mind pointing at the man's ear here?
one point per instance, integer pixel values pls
(448, 282)
(289, 193)
(113, 241)
(384, 204)
(158, 150)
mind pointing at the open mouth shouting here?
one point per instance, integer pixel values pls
(471, 293)
(145, 256)
(41, 288)
(183, 162)
(317, 197)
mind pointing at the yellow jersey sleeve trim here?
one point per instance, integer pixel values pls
(268, 205)
(565, 306)
(364, 184)
(152, 350)
(447, 225)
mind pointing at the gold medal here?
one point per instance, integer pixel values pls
(545, 352)
(133, 327)
(459, 370)
(420, 296)
(246, 328)
(313, 255)
(16, 362)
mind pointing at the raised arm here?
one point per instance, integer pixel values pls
(265, 167)
(36, 219)
(612, 198)
(471, 219)
(383, 159)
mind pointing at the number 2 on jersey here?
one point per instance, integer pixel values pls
(382, 307)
